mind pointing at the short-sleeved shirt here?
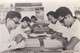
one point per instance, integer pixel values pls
(5, 38)
(74, 30)
(57, 27)
(19, 30)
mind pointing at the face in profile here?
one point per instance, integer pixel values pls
(67, 21)
(77, 15)
(13, 23)
(24, 24)
(33, 20)
(61, 20)
(52, 19)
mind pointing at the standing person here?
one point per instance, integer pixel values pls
(11, 22)
(73, 25)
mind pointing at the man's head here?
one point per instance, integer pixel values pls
(25, 22)
(52, 17)
(65, 16)
(12, 19)
(77, 14)
(33, 18)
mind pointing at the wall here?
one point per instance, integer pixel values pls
(50, 5)
(29, 14)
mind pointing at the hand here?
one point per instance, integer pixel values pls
(19, 38)
(53, 36)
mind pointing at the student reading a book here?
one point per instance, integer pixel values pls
(33, 20)
(11, 22)
(54, 25)
(73, 26)
(23, 28)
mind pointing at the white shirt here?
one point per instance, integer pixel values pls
(57, 27)
(52, 26)
(19, 30)
(73, 31)
(31, 23)
(5, 38)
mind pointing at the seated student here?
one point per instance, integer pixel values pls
(33, 20)
(73, 25)
(52, 17)
(25, 24)
(23, 28)
(11, 21)
(77, 15)
(55, 24)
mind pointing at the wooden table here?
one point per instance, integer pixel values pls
(33, 50)
(40, 49)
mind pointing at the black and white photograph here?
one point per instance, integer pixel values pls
(39, 26)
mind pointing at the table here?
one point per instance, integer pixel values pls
(40, 49)
(33, 50)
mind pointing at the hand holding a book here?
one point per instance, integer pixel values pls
(19, 38)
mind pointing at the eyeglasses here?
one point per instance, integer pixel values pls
(61, 21)
(16, 22)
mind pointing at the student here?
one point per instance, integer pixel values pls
(55, 26)
(23, 28)
(25, 24)
(11, 21)
(73, 25)
(77, 15)
(33, 20)
(53, 19)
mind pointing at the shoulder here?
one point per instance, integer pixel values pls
(3, 26)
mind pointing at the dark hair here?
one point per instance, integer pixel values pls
(52, 13)
(33, 17)
(12, 14)
(63, 11)
(26, 19)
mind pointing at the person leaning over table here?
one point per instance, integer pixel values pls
(11, 22)
(33, 20)
(23, 28)
(53, 20)
(25, 22)
(52, 17)
(73, 26)
(77, 15)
